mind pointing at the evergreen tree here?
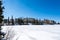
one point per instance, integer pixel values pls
(20, 21)
(16, 21)
(1, 18)
(12, 20)
(8, 21)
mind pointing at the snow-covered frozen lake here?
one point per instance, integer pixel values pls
(32, 32)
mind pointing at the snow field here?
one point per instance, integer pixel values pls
(32, 32)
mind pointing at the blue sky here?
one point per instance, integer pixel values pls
(43, 9)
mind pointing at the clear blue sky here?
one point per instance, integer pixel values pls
(48, 9)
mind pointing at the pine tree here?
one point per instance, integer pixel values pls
(12, 20)
(8, 21)
(1, 18)
(20, 21)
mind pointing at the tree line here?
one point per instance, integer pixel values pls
(28, 21)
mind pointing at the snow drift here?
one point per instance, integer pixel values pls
(32, 32)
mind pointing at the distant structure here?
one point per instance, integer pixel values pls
(46, 21)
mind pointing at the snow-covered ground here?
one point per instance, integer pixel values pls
(32, 32)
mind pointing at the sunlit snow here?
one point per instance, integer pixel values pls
(32, 32)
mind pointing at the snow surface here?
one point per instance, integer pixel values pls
(32, 32)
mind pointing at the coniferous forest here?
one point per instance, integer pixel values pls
(28, 21)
